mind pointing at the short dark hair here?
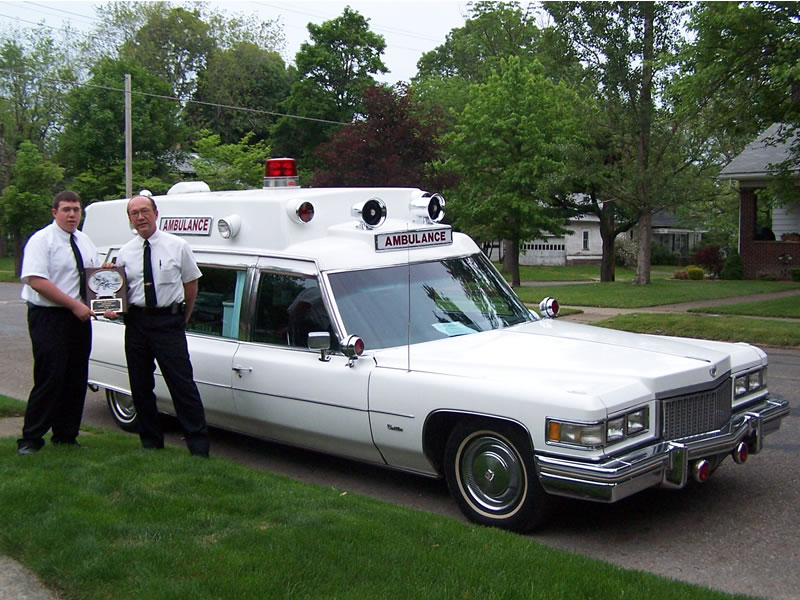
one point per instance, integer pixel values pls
(152, 202)
(65, 196)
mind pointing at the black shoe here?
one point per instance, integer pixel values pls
(25, 449)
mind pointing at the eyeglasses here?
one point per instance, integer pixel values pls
(135, 213)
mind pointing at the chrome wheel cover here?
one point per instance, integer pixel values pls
(122, 406)
(491, 474)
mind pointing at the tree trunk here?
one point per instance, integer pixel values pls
(511, 260)
(645, 124)
(645, 233)
(18, 245)
(608, 234)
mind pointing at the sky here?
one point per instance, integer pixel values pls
(410, 28)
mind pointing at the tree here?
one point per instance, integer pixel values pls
(333, 70)
(510, 145)
(92, 144)
(25, 204)
(230, 166)
(631, 48)
(390, 147)
(245, 76)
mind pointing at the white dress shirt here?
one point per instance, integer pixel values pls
(173, 265)
(48, 254)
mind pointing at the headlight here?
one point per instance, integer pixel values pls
(598, 435)
(750, 383)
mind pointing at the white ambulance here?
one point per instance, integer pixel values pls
(354, 322)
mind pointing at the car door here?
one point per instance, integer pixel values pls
(285, 392)
(213, 332)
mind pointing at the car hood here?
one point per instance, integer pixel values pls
(573, 356)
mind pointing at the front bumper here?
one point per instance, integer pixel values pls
(662, 463)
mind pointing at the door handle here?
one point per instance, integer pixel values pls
(239, 369)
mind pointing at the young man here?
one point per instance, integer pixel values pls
(162, 286)
(53, 271)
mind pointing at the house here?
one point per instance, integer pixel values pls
(769, 236)
(585, 246)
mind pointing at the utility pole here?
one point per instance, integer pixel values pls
(128, 139)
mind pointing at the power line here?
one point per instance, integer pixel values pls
(173, 98)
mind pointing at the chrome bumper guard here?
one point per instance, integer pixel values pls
(662, 463)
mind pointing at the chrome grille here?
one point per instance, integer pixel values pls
(695, 413)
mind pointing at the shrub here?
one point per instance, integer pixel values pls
(680, 275)
(694, 272)
(625, 251)
(768, 276)
(661, 255)
(710, 258)
(734, 267)
(795, 273)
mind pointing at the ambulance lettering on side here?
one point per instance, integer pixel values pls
(355, 321)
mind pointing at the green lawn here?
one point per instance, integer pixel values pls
(7, 269)
(660, 291)
(761, 332)
(583, 273)
(9, 407)
(779, 307)
(114, 521)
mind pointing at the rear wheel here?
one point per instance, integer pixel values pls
(122, 409)
(491, 474)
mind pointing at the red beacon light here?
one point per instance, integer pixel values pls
(549, 307)
(281, 172)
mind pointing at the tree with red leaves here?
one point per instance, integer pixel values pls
(389, 147)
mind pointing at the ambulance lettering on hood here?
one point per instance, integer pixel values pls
(413, 239)
(186, 225)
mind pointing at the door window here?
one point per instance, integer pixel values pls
(218, 304)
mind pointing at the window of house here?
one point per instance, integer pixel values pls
(218, 303)
(585, 240)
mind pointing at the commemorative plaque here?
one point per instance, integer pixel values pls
(106, 289)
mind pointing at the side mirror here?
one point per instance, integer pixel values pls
(320, 340)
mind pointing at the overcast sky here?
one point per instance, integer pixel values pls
(410, 28)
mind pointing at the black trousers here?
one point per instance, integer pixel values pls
(162, 338)
(61, 346)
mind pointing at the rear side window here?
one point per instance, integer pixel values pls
(289, 307)
(218, 304)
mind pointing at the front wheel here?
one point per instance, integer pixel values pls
(122, 409)
(490, 472)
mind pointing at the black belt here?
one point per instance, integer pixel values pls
(178, 308)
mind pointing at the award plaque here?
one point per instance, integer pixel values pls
(106, 289)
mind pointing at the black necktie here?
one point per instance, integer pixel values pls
(149, 284)
(79, 264)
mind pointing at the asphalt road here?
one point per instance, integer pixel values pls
(738, 532)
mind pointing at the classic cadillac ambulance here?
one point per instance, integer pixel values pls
(353, 322)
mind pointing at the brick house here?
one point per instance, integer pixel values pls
(765, 249)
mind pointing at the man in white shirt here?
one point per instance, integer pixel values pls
(162, 279)
(53, 271)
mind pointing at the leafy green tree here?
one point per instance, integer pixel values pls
(510, 146)
(333, 70)
(630, 49)
(389, 147)
(25, 204)
(92, 145)
(230, 166)
(244, 76)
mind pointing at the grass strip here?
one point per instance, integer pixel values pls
(779, 307)
(659, 292)
(9, 407)
(115, 521)
(723, 328)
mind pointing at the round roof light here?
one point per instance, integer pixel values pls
(300, 212)
(429, 207)
(372, 212)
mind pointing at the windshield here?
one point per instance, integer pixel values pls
(445, 298)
